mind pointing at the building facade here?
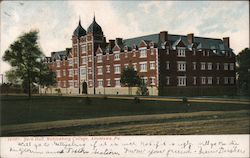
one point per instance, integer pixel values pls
(169, 64)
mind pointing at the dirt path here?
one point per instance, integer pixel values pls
(177, 123)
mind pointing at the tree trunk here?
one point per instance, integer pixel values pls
(29, 92)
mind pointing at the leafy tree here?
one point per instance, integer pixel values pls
(12, 77)
(130, 78)
(243, 70)
(142, 89)
(23, 55)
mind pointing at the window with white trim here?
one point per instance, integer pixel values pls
(75, 60)
(83, 71)
(117, 69)
(209, 66)
(225, 66)
(126, 55)
(64, 83)
(100, 82)
(181, 52)
(84, 60)
(203, 80)
(107, 56)
(107, 68)
(181, 65)
(71, 72)
(167, 80)
(194, 80)
(64, 72)
(70, 62)
(58, 63)
(135, 66)
(203, 66)
(218, 80)
(143, 53)
(89, 70)
(217, 66)
(71, 83)
(83, 48)
(58, 73)
(117, 56)
(152, 80)
(144, 80)
(99, 58)
(117, 82)
(181, 80)
(108, 83)
(167, 65)
(231, 66)
(208, 52)
(89, 58)
(99, 70)
(90, 83)
(76, 83)
(204, 53)
(225, 80)
(143, 66)
(194, 65)
(75, 72)
(152, 51)
(231, 80)
(134, 53)
(152, 65)
(209, 80)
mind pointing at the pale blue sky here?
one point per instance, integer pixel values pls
(56, 20)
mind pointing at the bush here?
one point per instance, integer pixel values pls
(136, 100)
(88, 101)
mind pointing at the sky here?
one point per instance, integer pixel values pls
(56, 20)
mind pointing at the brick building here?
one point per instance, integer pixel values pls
(169, 64)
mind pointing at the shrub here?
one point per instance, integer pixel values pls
(136, 100)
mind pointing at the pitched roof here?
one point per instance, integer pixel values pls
(59, 55)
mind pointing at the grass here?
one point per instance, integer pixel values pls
(19, 110)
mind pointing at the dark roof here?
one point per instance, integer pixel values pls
(59, 55)
(201, 42)
(95, 28)
(79, 31)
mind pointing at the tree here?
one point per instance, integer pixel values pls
(142, 89)
(243, 70)
(130, 78)
(24, 55)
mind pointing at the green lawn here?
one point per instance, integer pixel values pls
(18, 109)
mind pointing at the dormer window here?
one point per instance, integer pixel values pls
(143, 53)
(99, 58)
(181, 52)
(116, 56)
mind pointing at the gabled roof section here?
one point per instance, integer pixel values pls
(60, 55)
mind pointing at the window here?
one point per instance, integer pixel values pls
(181, 80)
(71, 83)
(134, 54)
(100, 82)
(208, 52)
(64, 83)
(90, 83)
(204, 53)
(194, 53)
(107, 56)
(99, 70)
(57, 63)
(64, 72)
(203, 66)
(225, 66)
(167, 80)
(217, 66)
(83, 71)
(143, 67)
(108, 82)
(143, 53)
(225, 80)
(194, 80)
(71, 72)
(194, 65)
(70, 62)
(231, 80)
(152, 80)
(89, 70)
(152, 65)
(75, 72)
(231, 66)
(152, 51)
(117, 69)
(135, 66)
(117, 82)
(108, 68)
(99, 58)
(83, 48)
(167, 51)
(167, 65)
(203, 80)
(209, 66)
(181, 65)
(209, 80)
(75, 60)
(76, 83)
(144, 80)
(58, 73)
(126, 55)
(218, 80)
(181, 52)
(84, 60)
(90, 58)
(116, 56)
(126, 66)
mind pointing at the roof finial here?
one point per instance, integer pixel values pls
(79, 20)
(94, 17)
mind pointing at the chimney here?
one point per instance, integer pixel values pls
(163, 36)
(112, 43)
(226, 41)
(118, 41)
(190, 38)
